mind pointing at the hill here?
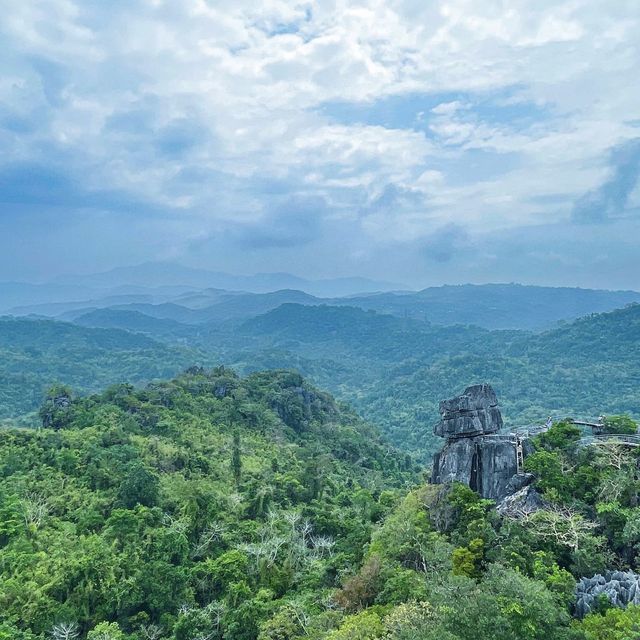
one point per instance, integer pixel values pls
(497, 306)
(154, 274)
(205, 502)
(392, 370)
(133, 321)
(258, 508)
(207, 307)
(34, 354)
(492, 306)
(395, 371)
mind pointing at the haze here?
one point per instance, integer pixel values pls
(412, 142)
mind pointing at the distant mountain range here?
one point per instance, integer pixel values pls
(169, 291)
(492, 306)
(162, 274)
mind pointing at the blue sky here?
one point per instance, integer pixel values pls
(419, 142)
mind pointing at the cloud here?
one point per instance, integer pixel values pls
(295, 222)
(610, 199)
(445, 243)
(302, 126)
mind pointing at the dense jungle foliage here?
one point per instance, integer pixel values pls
(394, 372)
(204, 498)
(213, 506)
(34, 354)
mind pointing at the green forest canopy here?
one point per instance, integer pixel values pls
(257, 508)
(393, 371)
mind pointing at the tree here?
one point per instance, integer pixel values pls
(403, 585)
(562, 435)
(35, 509)
(548, 468)
(361, 590)
(286, 624)
(505, 605)
(106, 631)
(228, 568)
(467, 560)
(414, 621)
(151, 632)
(139, 486)
(620, 424)
(561, 525)
(236, 457)
(615, 624)
(559, 581)
(65, 631)
(366, 625)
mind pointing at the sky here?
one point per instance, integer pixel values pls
(414, 141)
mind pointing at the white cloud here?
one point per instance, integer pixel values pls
(251, 75)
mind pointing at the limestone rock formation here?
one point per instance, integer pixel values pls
(621, 588)
(522, 502)
(55, 409)
(472, 454)
(473, 413)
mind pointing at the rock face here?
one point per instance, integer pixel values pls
(473, 413)
(523, 502)
(619, 587)
(472, 454)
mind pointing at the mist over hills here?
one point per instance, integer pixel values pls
(391, 354)
(158, 274)
(193, 296)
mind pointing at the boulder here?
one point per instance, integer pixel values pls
(473, 413)
(519, 481)
(521, 503)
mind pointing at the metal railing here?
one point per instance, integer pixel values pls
(631, 440)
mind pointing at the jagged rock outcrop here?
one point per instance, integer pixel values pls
(55, 409)
(473, 454)
(621, 588)
(473, 413)
(522, 502)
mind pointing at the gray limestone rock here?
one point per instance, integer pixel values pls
(471, 455)
(523, 502)
(55, 410)
(487, 466)
(519, 481)
(455, 463)
(621, 588)
(497, 465)
(473, 413)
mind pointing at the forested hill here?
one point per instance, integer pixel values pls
(206, 503)
(368, 333)
(497, 306)
(225, 508)
(613, 335)
(392, 370)
(34, 354)
(395, 371)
